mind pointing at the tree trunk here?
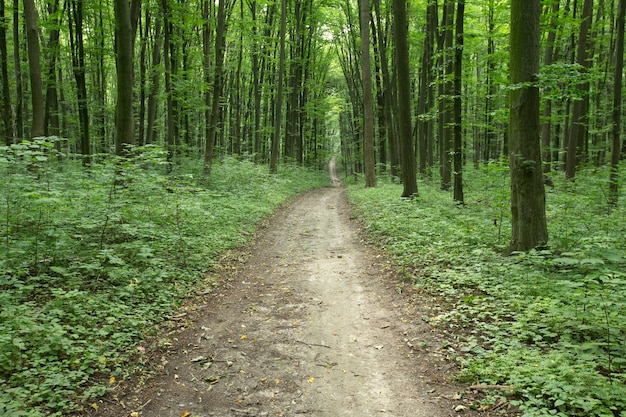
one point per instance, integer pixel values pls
(548, 57)
(425, 90)
(170, 138)
(409, 174)
(17, 63)
(37, 100)
(617, 106)
(447, 90)
(124, 120)
(580, 110)
(278, 108)
(529, 228)
(75, 23)
(214, 121)
(5, 92)
(51, 111)
(458, 128)
(387, 86)
(369, 159)
(154, 85)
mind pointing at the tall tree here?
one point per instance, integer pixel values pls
(446, 90)
(278, 108)
(580, 110)
(37, 100)
(124, 46)
(75, 23)
(529, 228)
(617, 105)
(409, 174)
(458, 128)
(220, 45)
(369, 161)
(17, 64)
(424, 103)
(546, 126)
(51, 111)
(5, 92)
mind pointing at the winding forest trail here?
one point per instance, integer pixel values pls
(308, 320)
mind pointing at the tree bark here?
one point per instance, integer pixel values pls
(369, 160)
(278, 108)
(37, 100)
(617, 106)
(458, 84)
(409, 174)
(75, 23)
(548, 57)
(446, 91)
(214, 120)
(5, 92)
(580, 107)
(124, 120)
(529, 228)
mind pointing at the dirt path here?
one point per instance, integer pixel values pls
(306, 322)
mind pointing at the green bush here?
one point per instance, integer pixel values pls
(552, 323)
(91, 260)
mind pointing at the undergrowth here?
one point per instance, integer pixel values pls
(92, 260)
(550, 323)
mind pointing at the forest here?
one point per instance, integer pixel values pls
(143, 139)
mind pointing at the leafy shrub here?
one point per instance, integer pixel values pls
(551, 322)
(91, 261)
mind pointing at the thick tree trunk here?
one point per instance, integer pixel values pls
(369, 161)
(124, 120)
(409, 174)
(37, 100)
(528, 220)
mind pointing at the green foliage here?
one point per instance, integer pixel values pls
(90, 262)
(550, 323)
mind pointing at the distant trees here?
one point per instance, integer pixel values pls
(405, 89)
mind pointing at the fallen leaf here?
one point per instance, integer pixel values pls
(134, 414)
(311, 379)
(460, 408)
(112, 380)
(244, 337)
(95, 406)
(185, 413)
(277, 381)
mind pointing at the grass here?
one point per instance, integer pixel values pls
(92, 261)
(551, 323)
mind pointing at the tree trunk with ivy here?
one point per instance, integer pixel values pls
(529, 228)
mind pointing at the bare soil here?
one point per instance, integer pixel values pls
(308, 320)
